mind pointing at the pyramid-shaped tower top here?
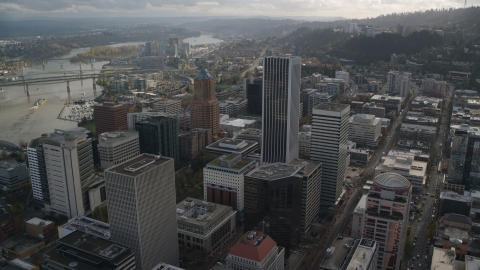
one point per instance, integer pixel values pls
(203, 75)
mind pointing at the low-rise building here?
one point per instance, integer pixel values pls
(359, 157)
(232, 125)
(22, 246)
(117, 147)
(39, 228)
(250, 134)
(164, 266)
(372, 108)
(204, 226)
(256, 251)
(79, 250)
(454, 203)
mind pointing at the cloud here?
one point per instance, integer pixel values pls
(344, 8)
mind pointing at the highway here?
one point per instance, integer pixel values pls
(256, 63)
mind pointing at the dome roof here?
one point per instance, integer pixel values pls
(391, 181)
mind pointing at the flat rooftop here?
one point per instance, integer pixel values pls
(334, 107)
(200, 213)
(443, 259)
(362, 204)
(139, 165)
(237, 122)
(239, 165)
(39, 222)
(363, 255)
(96, 246)
(228, 145)
(116, 136)
(275, 171)
(88, 225)
(20, 243)
(451, 195)
(472, 263)
(310, 165)
(11, 164)
(338, 253)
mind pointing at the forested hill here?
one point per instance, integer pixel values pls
(366, 50)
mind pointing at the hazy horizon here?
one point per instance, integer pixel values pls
(323, 9)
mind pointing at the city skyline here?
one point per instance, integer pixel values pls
(185, 8)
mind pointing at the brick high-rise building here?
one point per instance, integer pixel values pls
(110, 116)
(205, 109)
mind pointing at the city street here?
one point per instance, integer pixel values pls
(419, 224)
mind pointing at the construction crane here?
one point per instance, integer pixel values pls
(465, 5)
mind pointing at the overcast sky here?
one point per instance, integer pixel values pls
(274, 8)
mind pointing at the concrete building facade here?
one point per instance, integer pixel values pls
(365, 129)
(329, 146)
(13, 175)
(204, 226)
(141, 209)
(117, 147)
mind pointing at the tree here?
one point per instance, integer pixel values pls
(17, 208)
(100, 213)
(431, 229)
(408, 246)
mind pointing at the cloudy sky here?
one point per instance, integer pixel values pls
(274, 8)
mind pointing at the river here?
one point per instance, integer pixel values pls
(21, 123)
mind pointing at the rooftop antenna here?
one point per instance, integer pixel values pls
(465, 5)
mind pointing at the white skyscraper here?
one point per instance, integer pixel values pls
(61, 168)
(329, 146)
(280, 109)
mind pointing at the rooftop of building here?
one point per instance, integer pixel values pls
(169, 101)
(18, 264)
(204, 75)
(454, 196)
(234, 145)
(138, 165)
(391, 181)
(253, 246)
(386, 98)
(164, 266)
(200, 213)
(117, 136)
(20, 243)
(443, 259)
(457, 218)
(337, 252)
(309, 165)
(92, 249)
(361, 205)
(250, 131)
(275, 171)
(467, 129)
(455, 235)
(59, 136)
(239, 165)
(11, 164)
(418, 127)
(237, 122)
(363, 255)
(472, 263)
(109, 104)
(88, 225)
(414, 167)
(334, 107)
(39, 222)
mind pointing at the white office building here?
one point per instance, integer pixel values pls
(329, 146)
(398, 83)
(117, 147)
(69, 169)
(170, 106)
(365, 129)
